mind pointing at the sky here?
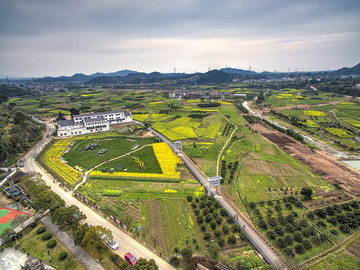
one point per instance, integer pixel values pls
(53, 38)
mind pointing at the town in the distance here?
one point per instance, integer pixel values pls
(227, 169)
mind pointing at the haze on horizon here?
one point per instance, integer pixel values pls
(55, 38)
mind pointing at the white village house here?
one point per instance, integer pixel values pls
(92, 122)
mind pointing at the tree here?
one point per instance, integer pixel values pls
(80, 233)
(68, 217)
(48, 200)
(187, 254)
(6, 234)
(214, 250)
(93, 243)
(74, 111)
(60, 116)
(307, 193)
(3, 98)
(19, 220)
(143, 264)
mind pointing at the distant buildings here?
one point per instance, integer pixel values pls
(92, 122)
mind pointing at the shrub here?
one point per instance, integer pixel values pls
(213, 225)
(203, 228)
(334, 232)
(41, 230)
(207, 236)
(271, 235)
(316, 241)
(232, 240)
(229, 220)
(262, 224)
(225, 229)
(279, 231)
(281, 242)
(51, 243)
(221, 242)
(217, 233)
(298, 237)
(62, 255)
(299, 249)
(175, 261)
(46, 236)
(289, 252)
(196, 212)
(219, 220)
(33, 225)
(344, 228)
(189, 198)
(323, 237)
(307, 244)
(288, 240)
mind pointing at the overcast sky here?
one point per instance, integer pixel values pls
(63, 37)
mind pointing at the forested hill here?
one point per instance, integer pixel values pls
(18, 133)
(12, 91)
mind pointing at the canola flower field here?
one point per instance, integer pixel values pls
(52, 160)
(167, 159)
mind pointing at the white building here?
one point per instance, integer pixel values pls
(92, 122)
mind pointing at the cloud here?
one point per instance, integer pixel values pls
(105, 36)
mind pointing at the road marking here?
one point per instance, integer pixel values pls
(123, 245)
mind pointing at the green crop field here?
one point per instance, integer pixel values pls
(115, 147)
(337, 261)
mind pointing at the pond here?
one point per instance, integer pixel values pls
(353, 163)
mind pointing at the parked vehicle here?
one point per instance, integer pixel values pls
(113, 244)
(130, 258)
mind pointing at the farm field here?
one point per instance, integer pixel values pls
(338, 123)
(282, 223)
(295, 97)
(338, 261)
(255, 165)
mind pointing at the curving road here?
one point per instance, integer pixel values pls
(126, 242)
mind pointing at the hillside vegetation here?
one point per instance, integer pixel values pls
(18, 133)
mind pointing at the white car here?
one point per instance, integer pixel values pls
(113, 244)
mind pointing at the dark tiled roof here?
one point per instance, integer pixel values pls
(99, 113)
(94, 120)
(66, 123)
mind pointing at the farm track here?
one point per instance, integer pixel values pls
(225, 144)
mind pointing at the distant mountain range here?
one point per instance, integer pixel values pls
(223, 75)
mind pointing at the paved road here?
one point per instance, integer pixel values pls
(261, 246)
(126, 243)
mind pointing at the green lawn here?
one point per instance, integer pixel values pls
(32, 243)
(115, 147)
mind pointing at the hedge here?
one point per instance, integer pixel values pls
(46, 236)
(41, 230)
(51, 243)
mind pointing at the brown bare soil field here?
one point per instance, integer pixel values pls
(320, 163)
(277, 138)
